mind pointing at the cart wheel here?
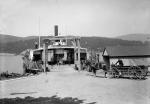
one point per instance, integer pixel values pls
(110, 74)
(115, 72)
(144, 74)
(138, 72)
(133, 72)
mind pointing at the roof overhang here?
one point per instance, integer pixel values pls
(134, 51)
(141, 56)
(61, 37)
(64, 47)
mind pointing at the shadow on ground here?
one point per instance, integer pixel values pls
(43, 100)
(23, 93)
(95, 76)
(133, 78)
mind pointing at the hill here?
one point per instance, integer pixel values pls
(135, 37)
(8, 38)
(15, 45)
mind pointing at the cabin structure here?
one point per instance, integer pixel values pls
(130, 55)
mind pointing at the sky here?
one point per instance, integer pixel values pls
(104, 18)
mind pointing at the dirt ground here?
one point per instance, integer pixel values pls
(64, 82)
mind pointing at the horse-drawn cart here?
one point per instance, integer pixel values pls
(139, 72)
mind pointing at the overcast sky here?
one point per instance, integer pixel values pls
(107, 18)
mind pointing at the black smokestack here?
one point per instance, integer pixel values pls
(56, 30)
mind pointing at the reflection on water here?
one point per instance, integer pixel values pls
(11, 63)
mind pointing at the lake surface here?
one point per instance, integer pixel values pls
(11, 63)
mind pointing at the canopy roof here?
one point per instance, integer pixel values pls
(127, 51)
(133, 61)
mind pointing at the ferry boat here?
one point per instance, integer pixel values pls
(58, 50)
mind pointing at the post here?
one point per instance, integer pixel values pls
(74, 50)
(39, 35)
(44, 51)
(98, 60)
(39, 42)
(45, 56)
(79, 63)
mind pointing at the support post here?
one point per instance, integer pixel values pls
(74, 51)
(79, 63)
(45, 56)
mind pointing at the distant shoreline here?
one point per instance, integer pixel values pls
(8, 54)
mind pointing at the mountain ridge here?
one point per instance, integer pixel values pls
(19, 44)
(135, 37)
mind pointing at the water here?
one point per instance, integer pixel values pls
(11, 63)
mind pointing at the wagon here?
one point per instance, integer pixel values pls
(139, 72)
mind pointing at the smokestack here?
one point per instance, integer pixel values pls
(56, 30)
